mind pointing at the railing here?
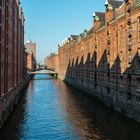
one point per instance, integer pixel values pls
(43, 72)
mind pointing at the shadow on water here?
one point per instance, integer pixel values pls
(43, 77)
(92, 119)
(11, 128)
(53, 110)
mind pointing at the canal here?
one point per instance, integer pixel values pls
(52, 110)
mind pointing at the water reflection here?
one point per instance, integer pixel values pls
(12, 128)
(93, 120)
(52, 110)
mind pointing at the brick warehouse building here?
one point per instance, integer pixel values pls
(51, 62)
(32, 47)
(12, 55)
(31, 55)
(31, 62)
(105, 60)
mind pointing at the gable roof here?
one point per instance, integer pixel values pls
(115, 3)
(101, 16)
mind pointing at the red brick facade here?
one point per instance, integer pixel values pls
(31, 55)
(12, 52)
(30, 61)
(52, 62)
(105, 61)
(13, 72)
(32, 47)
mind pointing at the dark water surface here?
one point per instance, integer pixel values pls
(52, 110)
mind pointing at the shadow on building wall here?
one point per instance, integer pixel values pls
(116, 88)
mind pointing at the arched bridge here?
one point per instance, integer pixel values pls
(49, 72)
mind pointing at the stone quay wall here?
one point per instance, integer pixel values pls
(9, 100)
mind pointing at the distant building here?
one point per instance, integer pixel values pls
(31, 62)
(31, 46)
(31, 55)
(51, 62)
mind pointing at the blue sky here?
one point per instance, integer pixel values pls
(48, 22)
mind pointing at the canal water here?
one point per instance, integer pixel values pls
(53, 110)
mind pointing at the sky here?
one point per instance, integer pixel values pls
(48, 22)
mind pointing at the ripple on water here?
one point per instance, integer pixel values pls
(52, 110)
